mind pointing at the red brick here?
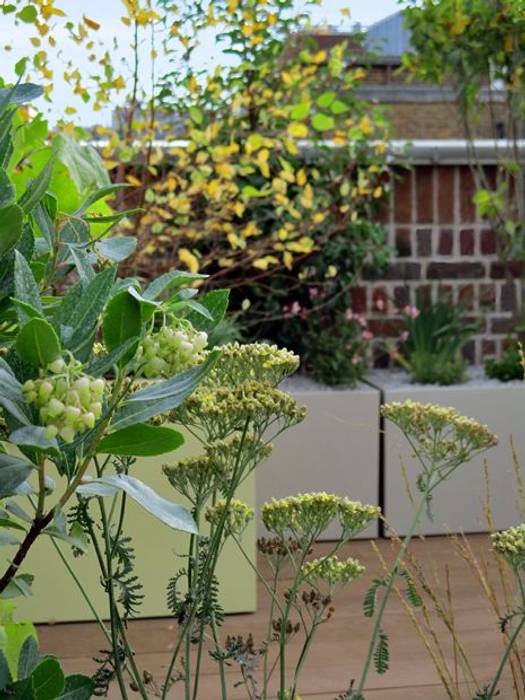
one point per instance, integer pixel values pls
(403, 197)
(358, 299)
(401, 296)
(487, 296)
(467, 190)
(425, 194)
(499, 271)
(403, 243)
(488, 242)
(446, 241)
(445, 185)
(488, 348)
(403, 271)
(466, 296)
(424, 242)
(424, 295)
(455, 271)
(502, 325)
(380, 300)
(469, 352)
(509, 299)
(388, 328)
(466, 241)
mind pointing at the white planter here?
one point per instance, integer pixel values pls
(458, 504)
(335, 449)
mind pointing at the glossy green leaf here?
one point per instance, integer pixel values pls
(26, 288)
(29, 655)
(141, 440)
(162, 396)
(77, 688)
(216, 303)
(339, 107)
(169, 280)
(7, 191)
(48, 680)
(326, 99)
(11, 226)
(13, 471)
(300, 111)
(19, 586)
(122, 321)
(104, 363)
(37, 343)
(19, 94)
(116, 249)
(323, 122)
(172, 514)
(37, 188)
(101, 193)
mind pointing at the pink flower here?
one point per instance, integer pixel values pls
(314, 292)
(356, 359)
(349, 315)
(367, 335)
(411, 311)
(380, 304)
(293, 309)
(404, 336)
(361, 320)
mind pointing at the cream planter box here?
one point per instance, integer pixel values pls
(458, 504)
(335, 449)
(159, 554)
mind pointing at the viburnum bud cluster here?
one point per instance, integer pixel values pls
(170, 350)
(68, 401)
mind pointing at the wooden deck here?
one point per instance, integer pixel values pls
(341, 646)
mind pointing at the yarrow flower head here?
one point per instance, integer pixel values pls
(440, 434)
(308, 515)
(170, 350)
(239, 515)
(69, 402)
(510, 544)
(355, 516)
(332, 571)
(258, 362)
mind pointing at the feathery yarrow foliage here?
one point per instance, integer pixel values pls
(332, 570)
(308, 515)
(69, 402)
(170, 350)
(510, 544)
(440, 434)
(238, 516)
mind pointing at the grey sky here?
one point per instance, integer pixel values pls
(108, 13)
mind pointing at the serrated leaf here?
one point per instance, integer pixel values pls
(141, 440)
(172, 514)
(382, 653)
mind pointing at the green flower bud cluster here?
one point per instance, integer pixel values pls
(221, 411)
(170, 350)
(332, 571)
(259, 362)
(354, 516)
(308, 515)
(239, 515)
(69, 402)
(511, 545)
(441, 434)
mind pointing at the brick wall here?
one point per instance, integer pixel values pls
(439, 243)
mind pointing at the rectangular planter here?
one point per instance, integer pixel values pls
(159, 554)
(335, 449)
(458, 504)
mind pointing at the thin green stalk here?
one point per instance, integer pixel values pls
(266, 676)
(303, 656)
(82, 590)
(388, 589)
(112, 605)
(222, 672)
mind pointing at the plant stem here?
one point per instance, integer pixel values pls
(389, 586)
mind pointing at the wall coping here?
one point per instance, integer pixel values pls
(415, 152)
